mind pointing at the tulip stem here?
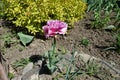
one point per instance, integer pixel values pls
(54, 45)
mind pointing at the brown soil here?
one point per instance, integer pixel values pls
(99, 40)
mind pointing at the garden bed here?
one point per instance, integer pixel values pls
(98, 42)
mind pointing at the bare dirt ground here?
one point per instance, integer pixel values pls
(99, 40)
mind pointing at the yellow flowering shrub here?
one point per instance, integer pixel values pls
(32, 14)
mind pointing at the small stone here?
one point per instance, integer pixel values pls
(34, 77)
(11, 70)
(45, 77)
(17, 78)
(39, 63)
(63, 64)
(34, 71)
(86, 57)
(67, 56)
(32, 45)
(27, 68)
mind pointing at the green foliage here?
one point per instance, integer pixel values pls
(91, 68)
(8, 39)
(100, 23)
(70, 75)
(52, 61)
(72, 68)
(116, 45)
(21, 63)
(32, 14)
(98, 5)
(2, 7)
(63, 50)
(107, 6)
(117, 20)
(118, 42)
(25, 39)
(52, 58)
(85, 42)
(10, 75)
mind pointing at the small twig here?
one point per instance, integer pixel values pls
(110, 66)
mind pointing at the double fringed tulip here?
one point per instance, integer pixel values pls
(54, 27)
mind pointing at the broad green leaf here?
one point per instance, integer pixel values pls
(25, 39)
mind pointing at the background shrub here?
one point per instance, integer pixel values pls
(31, 14)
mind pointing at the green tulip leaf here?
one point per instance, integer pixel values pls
(25, 39)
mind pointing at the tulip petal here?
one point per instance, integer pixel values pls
(54, 27)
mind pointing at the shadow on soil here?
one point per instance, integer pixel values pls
(43, 68)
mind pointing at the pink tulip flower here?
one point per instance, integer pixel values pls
(54, 27)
